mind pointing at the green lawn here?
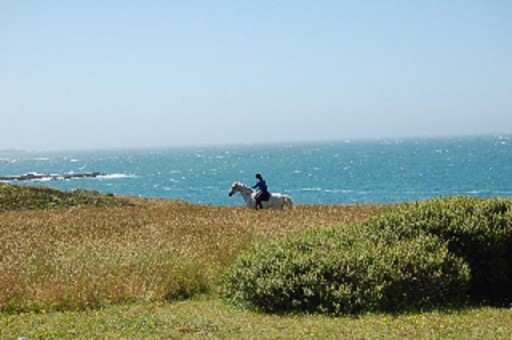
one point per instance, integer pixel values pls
(210, 317)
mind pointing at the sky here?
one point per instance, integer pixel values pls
(158, 73)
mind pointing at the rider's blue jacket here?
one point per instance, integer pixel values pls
(261, 185)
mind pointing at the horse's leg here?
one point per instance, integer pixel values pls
(252, 203)
(276, 203)
(273, 204)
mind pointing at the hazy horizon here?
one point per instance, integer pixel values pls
(118, 75)
(501, 136)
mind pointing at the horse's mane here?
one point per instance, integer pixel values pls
(242, 185)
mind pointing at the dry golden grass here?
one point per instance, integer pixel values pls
(154, 250)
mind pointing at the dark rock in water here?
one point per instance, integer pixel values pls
(35, 176)
(82, 175)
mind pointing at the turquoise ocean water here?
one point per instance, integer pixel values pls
(378, 171)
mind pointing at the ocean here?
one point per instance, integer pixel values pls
(343, 172)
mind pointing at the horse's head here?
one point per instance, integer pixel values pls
(238, 187)
(234, 189)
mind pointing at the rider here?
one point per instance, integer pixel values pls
(262, 194)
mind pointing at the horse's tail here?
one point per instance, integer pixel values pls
(288, 201)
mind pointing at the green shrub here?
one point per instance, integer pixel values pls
(478, 230)
(19, 197)
(346, 270)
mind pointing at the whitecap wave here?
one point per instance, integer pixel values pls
(339, 191)
(311, 189)
(45, 179)
(331, 191)
(116, 176)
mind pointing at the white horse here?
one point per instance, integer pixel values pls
(276, 201)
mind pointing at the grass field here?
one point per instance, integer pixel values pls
(204, 317)
(151, 269)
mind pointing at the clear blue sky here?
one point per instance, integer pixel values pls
(101, 74)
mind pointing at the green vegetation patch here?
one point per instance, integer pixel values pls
(345, 270)
(17, 197)
(478, 230)
(205, 317)
(434, 252)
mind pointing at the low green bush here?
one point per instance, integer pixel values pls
(346, 270)
(20, 197)
(425, 253)
(478, 230)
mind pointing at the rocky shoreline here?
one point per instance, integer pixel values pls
(53, 177)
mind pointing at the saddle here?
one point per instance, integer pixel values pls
(264, 196)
